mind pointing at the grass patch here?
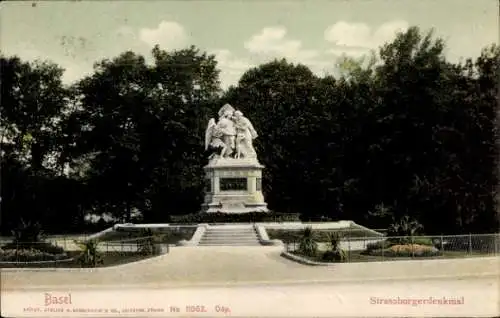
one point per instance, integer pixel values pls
(108, 259)
(359, 257)
(290, 236)
(170, 235)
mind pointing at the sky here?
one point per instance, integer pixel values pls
(240, 33)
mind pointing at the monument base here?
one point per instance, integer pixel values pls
(233, 186)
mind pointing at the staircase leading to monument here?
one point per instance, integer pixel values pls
(230, 236)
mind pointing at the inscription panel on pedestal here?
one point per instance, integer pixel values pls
(233, 184)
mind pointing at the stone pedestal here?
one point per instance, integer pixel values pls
(233, 186)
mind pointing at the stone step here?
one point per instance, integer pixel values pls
(231, 244)
(253, 239)
(230, 231)
(230, 234)
(249, 237)
(230, 237)
(223, 239)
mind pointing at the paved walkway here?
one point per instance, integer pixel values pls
(222, 265)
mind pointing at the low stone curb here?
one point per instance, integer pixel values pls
(40, 262)
(82, 269)
(305, 261)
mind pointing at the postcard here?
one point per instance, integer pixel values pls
(249, 159)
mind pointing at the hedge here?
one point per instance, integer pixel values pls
(219, 217)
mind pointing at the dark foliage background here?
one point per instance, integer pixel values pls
(406, 134)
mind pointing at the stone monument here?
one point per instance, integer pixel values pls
(233, 174)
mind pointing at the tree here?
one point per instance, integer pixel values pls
(278, 97)
(33, 100)
(142, 127)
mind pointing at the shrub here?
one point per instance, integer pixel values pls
(411, 240)
(423, 241)
(405, 226)
(378, 245)
(220, 217)
(27, 232)
(28, 244)
(289, 236)
(398, 241)
(307, 245)
(151, 245)
(335, 253)
(407, 250)
(40, 246)
(90, 256)
(28, 255)
(332, 256)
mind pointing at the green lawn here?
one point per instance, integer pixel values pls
(169, 235)
(109, 259)
(289, 236)
(358, 257)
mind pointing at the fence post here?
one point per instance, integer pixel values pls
(496, 238)
(442, 243)
(412, 246)
(349, 248)
(470, 243)
(383, 247)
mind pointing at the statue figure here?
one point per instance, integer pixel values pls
(245, 134)
(221, 135)
(232, 136)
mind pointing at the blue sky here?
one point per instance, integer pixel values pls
(75, 34)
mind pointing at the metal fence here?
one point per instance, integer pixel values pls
(66, 252)
(358, 249)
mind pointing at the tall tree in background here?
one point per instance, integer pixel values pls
(143, 125)
(278, 97)
(33, 100)
(187, 90)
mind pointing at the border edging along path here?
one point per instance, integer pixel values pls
(305, 261)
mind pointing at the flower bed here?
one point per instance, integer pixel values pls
(406, 250)
(290, 236)
(29, 255)
(39, 246)
(71, 261)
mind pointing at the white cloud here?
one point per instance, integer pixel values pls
(272, 42)
(357, 39)
(168, 34)
(232, 67)
(348, 34)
